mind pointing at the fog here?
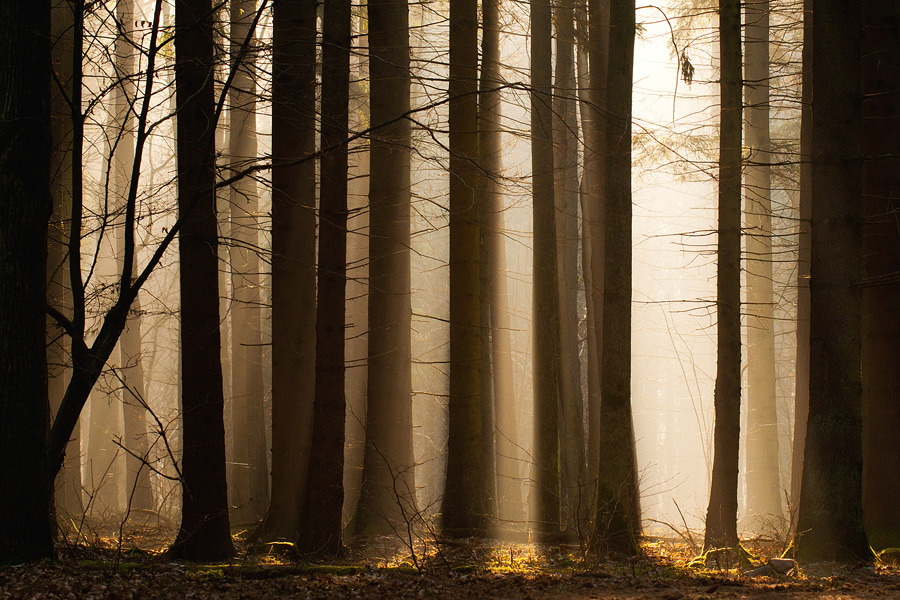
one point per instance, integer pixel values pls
(674, 278)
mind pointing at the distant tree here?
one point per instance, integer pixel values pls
(510, 506)
(388, 486)
(138, 492)
(205, 533)
(250, 483)
(321, 523)
(293, 261)
(617, 522)
(465, 503)
(830, 521)
(881, 294)
(764, 491)
(545, 296)
(26, 529)
(721, 516)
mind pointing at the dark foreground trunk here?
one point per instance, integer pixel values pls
(205, 532)
(25, 526)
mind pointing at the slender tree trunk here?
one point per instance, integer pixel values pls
(511, 509)
(357, 344)
(204, 532)
(388, 487)
(565, 159)
(593, 211)
(138, 493)
(763, 480)
(322, 521)
(801, 377)
(293, 261)
(486, 101)
(68, 484)
(546, 281)
(465, 503)
(26, 529)
(830, 522)
(721, 516)
(618, 521)
(881, 294)
(251, 471)
(104, 462)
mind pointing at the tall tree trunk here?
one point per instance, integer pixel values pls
(251, 471)
(322, 516)
(104, 460)
(830, 522)
(357, 344)
(763, 479)
(510, 505)
(565, 159)
(138, 493)
(881, 294)
(721, 516)
(68, 484)
(801, 376)
(204, 532)
(26, 530)
(465, 502)
(618, 500)
(388, 487)
(593, 213)
(546, 299)
(293, 261)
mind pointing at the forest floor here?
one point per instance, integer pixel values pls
(383, 568)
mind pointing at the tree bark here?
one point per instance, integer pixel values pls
(801, 377)
(388, 488)
(465, 503)
(205, 533)
(565, 159)
(293, 261)
(322, 521)
(138, 492)
(26, 531)
(593, 211)
(251, 471)
(881, 293)
(617, 523)
(546, 299)
(830, 522)
(510, 506)
(721, 516)
(764, 491)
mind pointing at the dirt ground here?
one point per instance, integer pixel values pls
(457, 571)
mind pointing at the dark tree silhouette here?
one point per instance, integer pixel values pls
(546, 281)
(721, 516)
(830, 520)
(465, 504)
(293, 261)
(617, 523)
(881, 294)
(26, 527)
(204, 532)
(321, 522)
(388, 487)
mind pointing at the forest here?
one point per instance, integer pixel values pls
(524, 297)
